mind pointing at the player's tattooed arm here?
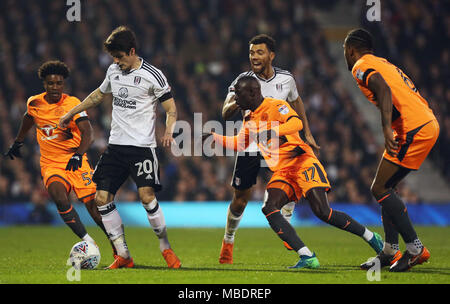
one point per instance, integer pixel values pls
(95, 98)
(383, 95)
(171, 118)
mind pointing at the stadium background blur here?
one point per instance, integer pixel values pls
(201, 46)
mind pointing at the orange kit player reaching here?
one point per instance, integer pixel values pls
(296, 170)
(63, 167)
(410, 130)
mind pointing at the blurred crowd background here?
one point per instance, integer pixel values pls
(201, 46)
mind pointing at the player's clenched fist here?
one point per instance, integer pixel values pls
(65, 120)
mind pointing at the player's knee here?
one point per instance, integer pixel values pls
(148, 199)
(101, 199)
(269, 207)
(240, 199)
(322, 212)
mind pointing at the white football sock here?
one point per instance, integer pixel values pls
(88, 238)
(113, 225)
(304, 251)
(287, 211)
(156, 219)
(232, 225)
(368, 235)
(415, 247)
(390, 249)
(121, 246)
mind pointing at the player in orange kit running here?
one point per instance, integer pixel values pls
(274, 125)
(63, 164)
(410, 131)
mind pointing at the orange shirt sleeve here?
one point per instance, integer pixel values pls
(237, 143)
(291, 126)
(289, 121)
(362, 71)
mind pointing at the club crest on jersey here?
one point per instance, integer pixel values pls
(123, 92)
(137, 80)
(279, 87)
(283, 109)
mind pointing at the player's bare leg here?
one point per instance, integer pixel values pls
(388, 175)
(114, 227)
(234, 216)
(69, 215)
(157, 222)
(275, 200)
(318, 201)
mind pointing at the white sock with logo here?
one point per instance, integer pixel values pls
(156, 219)
(113, 225)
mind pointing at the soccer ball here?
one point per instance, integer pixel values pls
(84, 255)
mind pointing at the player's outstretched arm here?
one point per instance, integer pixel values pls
(171, 118)
(299, 107)
(230, 108)
(25, 126)
(95, 98)
(381, 90)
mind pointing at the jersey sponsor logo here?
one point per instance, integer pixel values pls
(123, 103)
(48, 131)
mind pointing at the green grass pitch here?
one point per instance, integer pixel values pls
(38, 254)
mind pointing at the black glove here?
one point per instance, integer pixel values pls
(75, 162)
(14, 150)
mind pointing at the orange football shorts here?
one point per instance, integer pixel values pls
(415, 146)
(80, 180)
(297, 181)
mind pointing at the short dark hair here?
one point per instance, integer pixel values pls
(266, 39)
(122, 39)
(247, 79)
(53, 67)
(360, 39)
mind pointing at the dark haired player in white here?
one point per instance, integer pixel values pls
(137, 87)
(276, 83)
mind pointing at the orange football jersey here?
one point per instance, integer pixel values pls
(410, 109)
(57, 145)
(271, 114)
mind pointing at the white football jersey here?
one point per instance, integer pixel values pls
(280, 86)
(135, 98)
